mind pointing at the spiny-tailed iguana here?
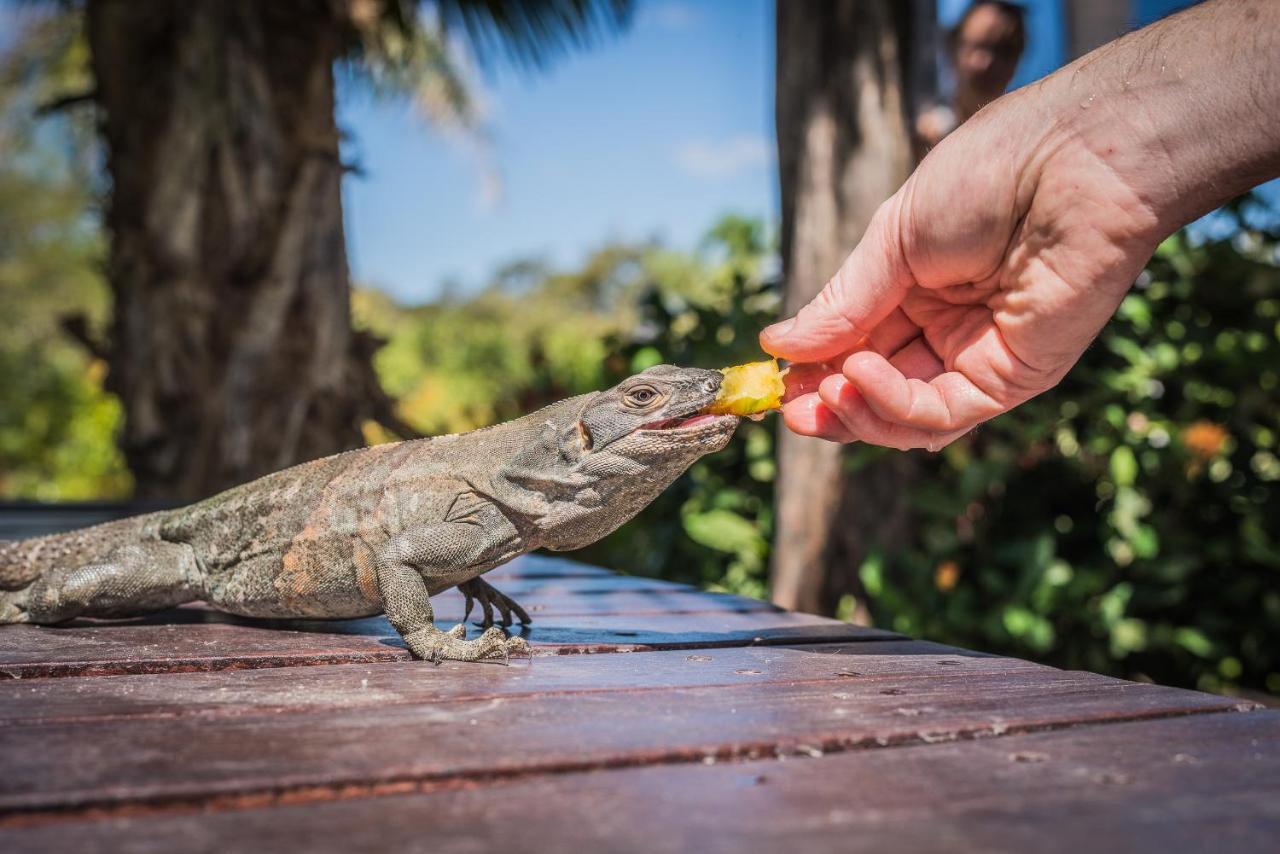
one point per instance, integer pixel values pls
(382, 529)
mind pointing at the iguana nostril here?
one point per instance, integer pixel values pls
(711, 385)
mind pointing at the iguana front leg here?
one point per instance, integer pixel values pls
(438, 551)
(489, 597)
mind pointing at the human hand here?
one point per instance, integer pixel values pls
(976, 286)
(983, 279)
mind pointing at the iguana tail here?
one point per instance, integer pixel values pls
(23, 561)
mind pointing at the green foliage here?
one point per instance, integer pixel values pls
(1125, 522)
(57, 425)
(712, 527)
(533, 336)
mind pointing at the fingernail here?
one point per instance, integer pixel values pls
(781, 330)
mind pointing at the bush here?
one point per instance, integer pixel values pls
(1123, 523)
(1126, 522)
(713, 526)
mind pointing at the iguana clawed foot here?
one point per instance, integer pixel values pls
(489, 597)
(10, 609)
(435, 646)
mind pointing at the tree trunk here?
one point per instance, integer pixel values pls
(232, 349)
(844, 146)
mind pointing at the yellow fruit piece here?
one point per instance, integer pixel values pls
(750, 389)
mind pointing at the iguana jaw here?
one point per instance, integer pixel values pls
(684, 422)
(705, 433)
(656, 414)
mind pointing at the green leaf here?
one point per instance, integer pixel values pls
(645, 358)
(1028, 627)
(871, 573)
(1128, 635)
(723, 531)
(1124, 466)
(1193, 641)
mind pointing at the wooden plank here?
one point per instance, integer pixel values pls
(1203, 783)
(114, 762)
(28, 652)
(589, 596)
(575, 609)
(281, 690)
(195, 639)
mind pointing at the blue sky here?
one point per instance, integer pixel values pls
(652, 134)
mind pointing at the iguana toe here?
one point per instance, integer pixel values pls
(434, 645)
(518, 646)
(489, 597)
(10, 610)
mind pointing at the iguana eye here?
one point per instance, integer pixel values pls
(641, 395)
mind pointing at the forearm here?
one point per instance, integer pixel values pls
(1185, 112)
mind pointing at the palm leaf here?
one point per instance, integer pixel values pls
(532, 32)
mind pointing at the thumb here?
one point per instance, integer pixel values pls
(867, 287)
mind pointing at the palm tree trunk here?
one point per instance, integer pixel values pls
(232, 347)
(844, 146)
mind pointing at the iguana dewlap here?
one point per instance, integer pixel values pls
(382, 529)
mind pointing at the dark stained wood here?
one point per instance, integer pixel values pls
(113, 762)
(279, 690)
(28, 652)
(727, 726)
(194, 639)
(575, 609)
(1204, 783)
(588, 596)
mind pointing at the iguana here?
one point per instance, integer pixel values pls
(382, 529)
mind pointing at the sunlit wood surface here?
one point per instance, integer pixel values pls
(653, 717)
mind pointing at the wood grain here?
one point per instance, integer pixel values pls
(82, 765)
(280, 690)
(196, 639)
(575, 609)
(727, 726)
(1206, 783)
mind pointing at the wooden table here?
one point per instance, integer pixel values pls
(653, 718)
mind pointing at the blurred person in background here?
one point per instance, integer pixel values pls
(984, 49)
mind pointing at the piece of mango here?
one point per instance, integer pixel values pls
(750, 389)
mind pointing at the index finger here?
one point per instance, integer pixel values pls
(868, 286)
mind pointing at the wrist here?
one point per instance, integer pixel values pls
(1184, 113)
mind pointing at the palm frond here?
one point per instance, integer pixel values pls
(531, 33)
(411, 58)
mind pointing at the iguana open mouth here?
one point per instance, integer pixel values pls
(681, 423)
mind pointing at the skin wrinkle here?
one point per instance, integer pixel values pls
(859, 422)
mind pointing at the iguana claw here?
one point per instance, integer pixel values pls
(489, 597)
(436, 646)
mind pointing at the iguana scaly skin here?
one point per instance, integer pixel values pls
(382, 529)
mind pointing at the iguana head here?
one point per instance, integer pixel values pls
(604, 456)
(654, 416)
